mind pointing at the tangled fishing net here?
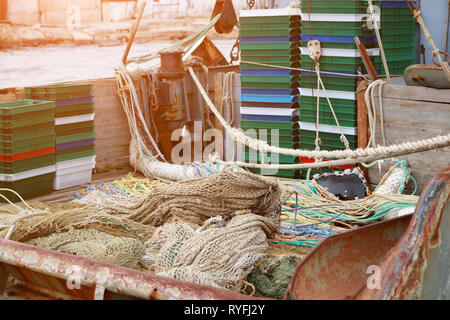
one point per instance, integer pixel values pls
(76, 229)
(220, 257)
(209, 231)
(194, 201)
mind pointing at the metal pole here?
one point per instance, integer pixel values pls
(133, 32)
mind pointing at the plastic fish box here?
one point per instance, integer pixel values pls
(27, 131)
(74, 128)
(75, 137)
(75, 153)
(27, 155)
(255, 156)
(274, 32)
(27, 174)
(74, 119)
(269, 125)
(328, 118)
(30, 144)
(12, 167)
(336, 28)
(16, 108)
(74, 173)
(281, 173)
(74, 110)
(28, 188)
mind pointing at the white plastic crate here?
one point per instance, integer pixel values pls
(75, 119)
(63, 165)
(73, 173)
(26, 174)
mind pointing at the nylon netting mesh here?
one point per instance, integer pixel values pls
(208, 231)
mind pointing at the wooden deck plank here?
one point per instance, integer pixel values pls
(415, 93)
(411, 114)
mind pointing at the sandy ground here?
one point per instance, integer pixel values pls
(34, 55)
(105, 33)
(33, 66)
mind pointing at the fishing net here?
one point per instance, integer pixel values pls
(94, 244)
(216, 256)
(272, 275)
(77, 229)
(194, 201)
(210, 231)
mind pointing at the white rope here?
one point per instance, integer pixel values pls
(364, 155)
(28, 211)
(380, 43)
(371, 111)
(343, 138)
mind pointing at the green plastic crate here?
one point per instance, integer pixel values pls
(274, 53)
(335, 28)
(270, 46)
(28, 188)
(268, 22)
(73, 151)
(339, 105)
(75, 137)
(24, 132)
(328, 118)
(329, 141)
(269, 125)
(74, 128)
(13, 147)
(284, 136)
(274, 32)
(29, 121)
(282, 144)
(44, 131)
(293, 133)
(331, 83)
(13, 167)
(74, 110)
(270, 79)
(339, 63)
(282, 173)
(278, 60)
(26, 106)
(81, 152)
(269, 85)
(338, 45)
(263, 26)
(256, 156)
(278, 64)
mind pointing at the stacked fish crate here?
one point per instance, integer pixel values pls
(269, 96)
(398, 34)
(27, 155)
(335, 24)
(74, 127)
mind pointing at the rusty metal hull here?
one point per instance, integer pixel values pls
(337, 268)
(418, 267)
(51, 273)
(410, 255)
